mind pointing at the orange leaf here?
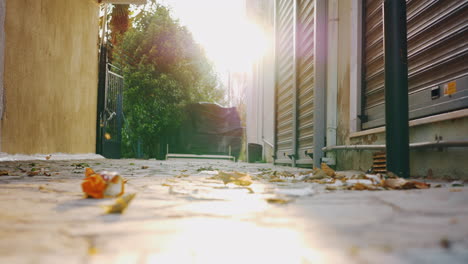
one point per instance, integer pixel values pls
(89, 172)
(94, 185)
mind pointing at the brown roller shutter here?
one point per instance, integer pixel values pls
(305, 80)
(437, 58)
(285, 82)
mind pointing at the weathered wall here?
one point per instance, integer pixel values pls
(260, 97)
(437, 163)
(344, 38)
(50, 76)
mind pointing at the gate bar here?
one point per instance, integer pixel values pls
(396, 87)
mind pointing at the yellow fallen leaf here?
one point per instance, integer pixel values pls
(250, 190)
(241, 179)
(120, 204)
(166, 185)
(354, 251)
(92, 251)
(331, 188)
(277, 180)
(278, 201)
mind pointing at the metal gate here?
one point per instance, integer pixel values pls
(112, 116)
(285, 91)
(295, 81)
(305, 80)
(437, 58)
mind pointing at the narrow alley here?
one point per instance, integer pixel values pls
(183, 214)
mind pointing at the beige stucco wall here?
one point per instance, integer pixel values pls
(50, 76)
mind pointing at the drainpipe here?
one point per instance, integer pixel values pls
(2, 55)
(396, 87)
(275, 74)
(320, 59)
(332, 78)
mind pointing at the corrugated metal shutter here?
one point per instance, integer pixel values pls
(437, 58)
(285, 81)
(305, 80)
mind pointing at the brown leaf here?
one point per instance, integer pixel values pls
(144, 167)
(33, 173)
(445, 243)
(318, 174)
(396, 183)
(359, 187)
(421, 185)
(4, 173)
(329, 171)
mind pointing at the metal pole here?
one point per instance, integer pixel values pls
(320, 76)
(275, 81)
(396, 87)
(295, 102)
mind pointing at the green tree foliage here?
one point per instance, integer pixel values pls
(164, 70)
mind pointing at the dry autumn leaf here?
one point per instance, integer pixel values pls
(278, 201)
(120, 204)
(329, 171)
(4, 173)
(241, 179)
(421, 185)
(249, 189)
(101, 185)
(396, 183)
(277, 180)
(33, 173)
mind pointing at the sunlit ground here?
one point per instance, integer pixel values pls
(182, 215)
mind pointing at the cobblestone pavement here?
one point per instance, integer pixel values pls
(44, 219)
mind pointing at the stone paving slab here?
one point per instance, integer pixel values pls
(44, 219)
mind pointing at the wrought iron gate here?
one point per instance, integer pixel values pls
(112, 114)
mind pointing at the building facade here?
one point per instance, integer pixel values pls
(329, 102)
